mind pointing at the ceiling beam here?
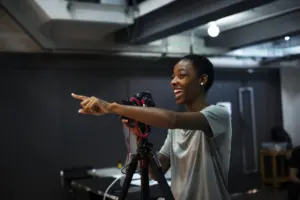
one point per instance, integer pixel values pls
(259, 32)
(151, 5)
(179, 16)
(294, 57)
(176, 46)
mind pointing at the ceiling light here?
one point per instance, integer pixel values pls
(287, 38)
(250, 71)
(213, 30)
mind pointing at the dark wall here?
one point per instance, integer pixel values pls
(41, 131)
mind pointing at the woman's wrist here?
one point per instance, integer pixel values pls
(112, 107)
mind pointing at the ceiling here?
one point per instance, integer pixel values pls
(252, 30)
(13, 37)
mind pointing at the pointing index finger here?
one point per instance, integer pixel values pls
(80, 97)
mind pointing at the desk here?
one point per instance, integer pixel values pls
(116, 172)
(86, 183)
(105, 172)
(275, 179)
(96, 187)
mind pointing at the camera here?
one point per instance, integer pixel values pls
(143, 99)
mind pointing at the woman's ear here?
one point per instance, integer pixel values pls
(203, 79)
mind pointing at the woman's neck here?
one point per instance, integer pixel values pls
(196, 105)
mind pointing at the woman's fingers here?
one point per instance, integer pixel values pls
(132, 130)
(83, 111)
(84, 103)
(79, 97)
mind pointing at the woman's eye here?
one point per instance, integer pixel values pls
(180, 76)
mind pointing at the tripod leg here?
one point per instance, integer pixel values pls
(144, 179)
(163, 184)
(131, 169)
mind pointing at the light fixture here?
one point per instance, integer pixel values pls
(213, 30)
(287, 38)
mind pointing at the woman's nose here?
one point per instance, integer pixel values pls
(174, 81)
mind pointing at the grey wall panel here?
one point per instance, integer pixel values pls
(290, 94)
(94, 140)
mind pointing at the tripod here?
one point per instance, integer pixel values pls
(145, 156)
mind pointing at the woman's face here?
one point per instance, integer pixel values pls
(185, 82)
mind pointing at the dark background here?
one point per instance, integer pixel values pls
(41, 131)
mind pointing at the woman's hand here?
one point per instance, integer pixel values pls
(92, 105)
(131, 130)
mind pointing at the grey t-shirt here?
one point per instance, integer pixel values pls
(193, 174)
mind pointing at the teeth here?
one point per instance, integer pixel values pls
(176, 91)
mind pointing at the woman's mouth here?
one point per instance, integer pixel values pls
(178, 93)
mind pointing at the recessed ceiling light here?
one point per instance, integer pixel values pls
(213, 30)
(250, 71)
(287, 38)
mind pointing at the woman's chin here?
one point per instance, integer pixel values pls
(179, 101)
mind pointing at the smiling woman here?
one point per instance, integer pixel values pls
(192, 78)
(198, 144)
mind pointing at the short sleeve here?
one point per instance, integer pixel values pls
(294, 161)
(218, 118)
(166, 148)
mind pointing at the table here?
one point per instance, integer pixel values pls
(116, 172)
(95, 188)
(275, 179)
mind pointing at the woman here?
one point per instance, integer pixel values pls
(198, 144)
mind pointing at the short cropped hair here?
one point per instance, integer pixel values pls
(203, 66)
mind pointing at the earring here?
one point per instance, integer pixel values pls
(201, 83)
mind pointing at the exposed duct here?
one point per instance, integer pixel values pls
(13, 38)
(52, 21)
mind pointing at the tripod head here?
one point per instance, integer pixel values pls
(143, 99)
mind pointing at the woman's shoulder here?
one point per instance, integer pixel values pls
(217, 110)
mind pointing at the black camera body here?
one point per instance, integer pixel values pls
(143, 99)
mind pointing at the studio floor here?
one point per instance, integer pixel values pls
(264, 195)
